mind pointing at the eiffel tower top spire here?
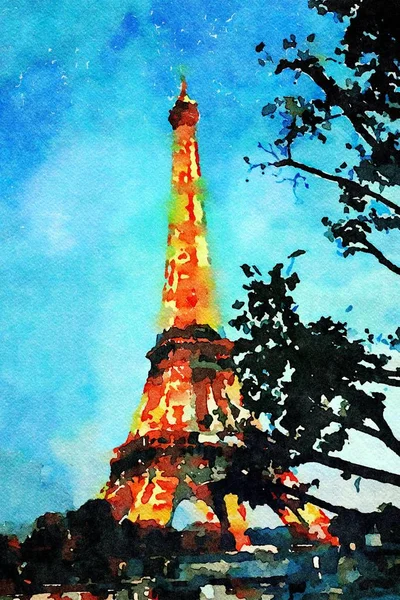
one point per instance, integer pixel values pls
(188, 294)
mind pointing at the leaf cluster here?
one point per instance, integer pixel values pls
(311, 380)
(363, 88)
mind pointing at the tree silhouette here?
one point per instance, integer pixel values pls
(310, 381)
(10, 561)
(358, 84)
(98, 543)
(45, 553)
(84, 546)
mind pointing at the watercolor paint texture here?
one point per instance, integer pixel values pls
(200, 268)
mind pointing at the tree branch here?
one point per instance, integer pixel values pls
(384, 432)
(348, 467)
(341, 181)
(305, 497)
(371, 249)
(389, 377)
(387, 436)
(333, 93)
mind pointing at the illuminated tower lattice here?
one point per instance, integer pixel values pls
(190, 418)
(188, 421)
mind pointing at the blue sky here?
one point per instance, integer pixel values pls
(85, 161)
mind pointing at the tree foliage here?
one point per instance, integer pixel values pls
(83, 546)
(10, 561)
(358, 83)
(311, 381)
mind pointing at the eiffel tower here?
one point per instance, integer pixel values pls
(191, 418)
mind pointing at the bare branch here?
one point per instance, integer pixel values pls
(342, 181)
(384, 434)
(371, 249)
(335, 95)
(348, 467)
(305, 497)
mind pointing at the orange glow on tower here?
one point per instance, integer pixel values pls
(188, 294)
